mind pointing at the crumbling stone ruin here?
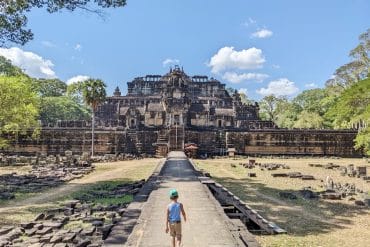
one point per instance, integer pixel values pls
(47, 172)
(164, 113)
(349, 170)
(76, 223)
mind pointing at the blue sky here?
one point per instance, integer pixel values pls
(263, 47)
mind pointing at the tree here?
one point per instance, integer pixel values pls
(13, 20)
(49, 87)
(271, 106)
(288, 114)
(352, 110)
(311, 100)
(7, 69)
(18, 106)
(363, 140)
(309, 120)
(356, 70)
(352, 106)
(53, 109)
(93, 93)
(361, 53)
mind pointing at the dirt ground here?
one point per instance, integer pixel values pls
(11, 169)
(24, 209)
(308, 222)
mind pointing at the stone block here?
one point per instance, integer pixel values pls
(40, 216)
(45, 230)
(5, 229)
(69, 237)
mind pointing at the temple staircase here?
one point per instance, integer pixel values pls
(136, 145)
(162, 144)
(176, 138)
(221, 145)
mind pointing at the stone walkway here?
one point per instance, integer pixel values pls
(206, 225)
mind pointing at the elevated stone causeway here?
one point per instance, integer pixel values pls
(207, 224)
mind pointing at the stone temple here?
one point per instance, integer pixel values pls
(164, 113)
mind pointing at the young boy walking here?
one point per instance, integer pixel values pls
(173, 221)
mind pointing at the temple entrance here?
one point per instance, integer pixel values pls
(132, 123)
(219, 123)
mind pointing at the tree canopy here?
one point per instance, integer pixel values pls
(61, 108)
(8, 69)
(357, 69)
(19, 106)
(93, 92)
(352, 107)
(13, 19)
(49, 87)
(54, 102)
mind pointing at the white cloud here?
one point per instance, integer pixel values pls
(280, 87)
(311, 85)
(234, 77)
(228, 58)
(170, 61)
(276, 66)
(31, 63)
(250, 21)
(243, 91)
(77, 78)
(262, 33)
(78, 47)
(48, 44)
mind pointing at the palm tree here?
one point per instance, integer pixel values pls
(93, 93)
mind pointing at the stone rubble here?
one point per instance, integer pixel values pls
(85, 225)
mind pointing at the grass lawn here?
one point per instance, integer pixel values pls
(308, 222)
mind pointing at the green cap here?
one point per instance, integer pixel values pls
(173, 193)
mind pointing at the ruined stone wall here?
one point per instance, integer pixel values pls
(295, 142)
(78, 140)
(278, 142)
(58, 140)
(216, 142)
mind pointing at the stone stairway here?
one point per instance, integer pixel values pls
(135, 145)
(176, 138)
(162, 143)
(221, 145)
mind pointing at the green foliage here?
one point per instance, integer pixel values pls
(311, 100)
(101, 193)
(93, 92)
(363, 140)
(62, 108)
(352, 109)
(49, 87)
(13, 19)
(309, 120)
(352, 106)
(7, 69)
(74, 91)
(271, 106)
(357, 69)
(18, 106)
(287, 114)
